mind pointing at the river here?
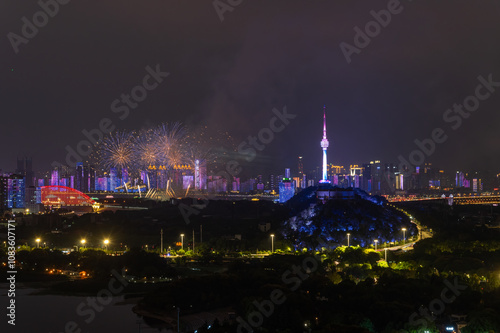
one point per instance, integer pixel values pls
(55, 314)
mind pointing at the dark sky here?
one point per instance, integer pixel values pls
(265, 54)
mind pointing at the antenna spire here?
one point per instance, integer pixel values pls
(324, 147)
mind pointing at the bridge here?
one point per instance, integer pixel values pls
(457, 200)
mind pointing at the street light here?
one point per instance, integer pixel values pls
(404, 235)
(83, 241)
(375, 241)
(182, 241)
(106, 242)
(272, 243)
(348, 234)
(385, 254)
(38, 242)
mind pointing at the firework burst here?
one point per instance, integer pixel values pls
(164, 147)
(169, 144)
(145, 149)
(115, 151)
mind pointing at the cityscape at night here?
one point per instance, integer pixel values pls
(236, 166)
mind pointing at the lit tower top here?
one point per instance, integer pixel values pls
(324, 146)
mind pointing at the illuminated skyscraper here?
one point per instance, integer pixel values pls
(85, 178)
(200, 174)
(286, 188)
(12, 191)
(113, 179)
(301, 167)
(272, 183)
(54, 179)
(324, 146)
(25, 168)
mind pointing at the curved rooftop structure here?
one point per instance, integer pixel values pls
(64, 196)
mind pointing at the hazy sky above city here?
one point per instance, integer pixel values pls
(230, 74)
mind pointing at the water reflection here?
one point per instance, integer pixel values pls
(53, 314)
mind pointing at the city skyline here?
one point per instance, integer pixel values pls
(214, 166)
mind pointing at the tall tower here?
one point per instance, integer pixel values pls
(25, 168)
(324, 146)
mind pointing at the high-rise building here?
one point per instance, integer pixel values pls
(25, 169)
(279, 178)
(12, 191)
(3, 192)
(187, 182)
(217, 184)
(271, 183)
(287, 191)
(85, 178)
(236, 184)
(30, 196)
(125, 176)
(79, 176)
(388, 185)
(113, 179)
(367, 178)
(286, 188)
(355, 170)
(54, 178)
(249, 185)
(376, 177)
(335, 169)
(200, 174)
(301, 166)
(399, 181)
(461, 179)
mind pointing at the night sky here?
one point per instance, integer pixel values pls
(230, 74)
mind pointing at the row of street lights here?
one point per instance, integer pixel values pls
(272, 242)
(106, 241)
(82, 241)
(348, 240)
(376, 240)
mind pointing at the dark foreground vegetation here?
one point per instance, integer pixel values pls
(449, 280)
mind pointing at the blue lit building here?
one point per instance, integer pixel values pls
(12, 191)
(287, 189)
(3, 192)
(16, 191)
(113, 179)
